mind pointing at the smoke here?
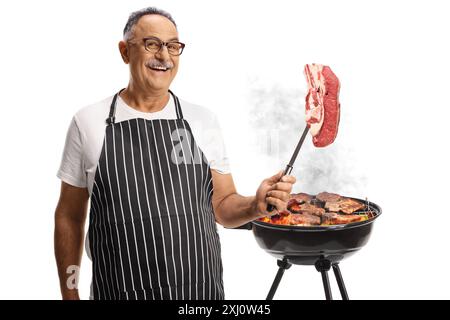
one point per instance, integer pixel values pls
(277, 119)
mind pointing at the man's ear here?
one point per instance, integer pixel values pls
(123, 48)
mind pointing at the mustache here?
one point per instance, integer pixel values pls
(154, 63)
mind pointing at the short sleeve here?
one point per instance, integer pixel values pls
(215, 148)
(72, 169)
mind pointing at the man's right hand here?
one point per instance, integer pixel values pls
(70, 217)
(275, 191)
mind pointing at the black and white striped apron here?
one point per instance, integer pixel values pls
(152, 232)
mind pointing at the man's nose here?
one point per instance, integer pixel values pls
(163, 53)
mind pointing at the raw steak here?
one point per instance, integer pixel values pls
(322, 104)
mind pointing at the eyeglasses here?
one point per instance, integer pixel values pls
(154, 45)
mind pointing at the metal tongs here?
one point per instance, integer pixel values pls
(290, 165)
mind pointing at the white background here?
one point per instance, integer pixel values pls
(244, 61)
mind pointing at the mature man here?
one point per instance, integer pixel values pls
(149, 170)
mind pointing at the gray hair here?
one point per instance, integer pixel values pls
(135, 16)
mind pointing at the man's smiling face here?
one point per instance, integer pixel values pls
(151, 71)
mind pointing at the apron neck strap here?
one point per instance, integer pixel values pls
(177, 105)
(112, 109)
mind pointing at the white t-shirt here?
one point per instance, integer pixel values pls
(86, 133)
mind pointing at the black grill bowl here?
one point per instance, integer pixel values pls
(305, 245)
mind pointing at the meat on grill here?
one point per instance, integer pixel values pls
(334, 218)
(307, 208)
(328, 197)
(345, 205)
(333, 206)
(304, 219)
(322, 104)
(301, 197)
(323, 209)
(281, 219)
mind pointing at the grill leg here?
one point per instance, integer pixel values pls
(283, 265)
(326, 285)
(340, 281)
(323, 265)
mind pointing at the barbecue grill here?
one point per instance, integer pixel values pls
(321, 246)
